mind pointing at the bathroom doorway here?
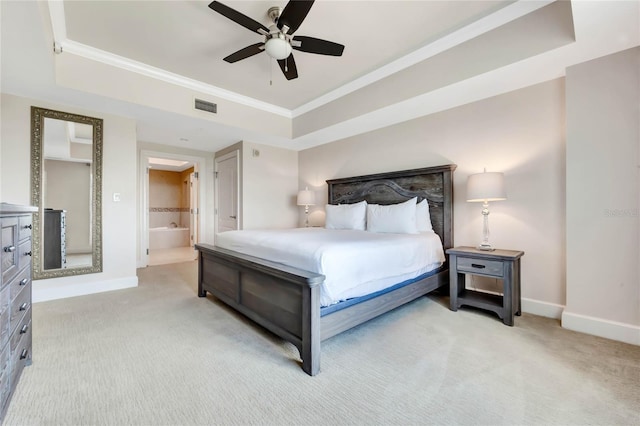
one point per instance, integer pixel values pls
(170, 208)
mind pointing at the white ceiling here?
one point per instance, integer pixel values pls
(190, 39)
(187, 39)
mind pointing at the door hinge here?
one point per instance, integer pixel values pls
(147, 252)
(196, 175)
(216, 174)
(215, 211)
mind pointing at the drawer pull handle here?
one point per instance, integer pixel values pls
(24, 281)
(28, 227)
(10, 249)
(23, 307)
(24, 353)
(24, 329)
(476, 265)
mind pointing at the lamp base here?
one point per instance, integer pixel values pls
(485, 247)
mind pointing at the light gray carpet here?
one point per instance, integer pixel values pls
(159, 355)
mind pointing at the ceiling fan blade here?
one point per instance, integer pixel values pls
(248, 51)
(238, 17)
(288, 67)
(316, 45)
(293, 14)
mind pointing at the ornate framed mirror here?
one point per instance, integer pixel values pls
(66, 186)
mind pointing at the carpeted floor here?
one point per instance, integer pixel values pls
(159, 355)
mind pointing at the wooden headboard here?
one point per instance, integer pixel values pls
(432, 183)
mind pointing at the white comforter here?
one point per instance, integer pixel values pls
(355, 263)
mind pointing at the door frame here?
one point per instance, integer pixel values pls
(199, 165)
(236, 153)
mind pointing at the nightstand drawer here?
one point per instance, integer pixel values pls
(494, 268)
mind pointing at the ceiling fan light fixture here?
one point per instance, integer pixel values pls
(277, 48)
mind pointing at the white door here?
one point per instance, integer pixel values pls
(227, 198)
(194, 208)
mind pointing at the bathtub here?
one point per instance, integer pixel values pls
(165, 237)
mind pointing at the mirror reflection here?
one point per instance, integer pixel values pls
(66, 169)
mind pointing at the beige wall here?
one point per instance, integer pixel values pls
(603, 250)
(166, 199)
(269, 186)
(119, 175)
(520, 133)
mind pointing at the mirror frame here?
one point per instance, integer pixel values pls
(37, 149)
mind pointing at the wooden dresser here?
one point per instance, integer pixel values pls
(15, 297)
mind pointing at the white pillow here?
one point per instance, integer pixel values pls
(346, 216)
(423, 217)
(395, 218)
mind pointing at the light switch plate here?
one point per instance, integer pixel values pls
(116, 197)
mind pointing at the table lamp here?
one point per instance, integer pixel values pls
(485, 187)
(306, 198)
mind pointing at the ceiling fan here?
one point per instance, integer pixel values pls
(278, 38)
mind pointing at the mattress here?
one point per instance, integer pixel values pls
(354, 263)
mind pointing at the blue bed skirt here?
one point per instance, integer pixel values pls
(326, 310)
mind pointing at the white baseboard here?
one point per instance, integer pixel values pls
(613, 330)
(55, 289)
(543, 309)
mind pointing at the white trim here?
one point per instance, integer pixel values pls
(143, 219)
(111, 59)
(235, 153)
(613, 330)
(81, 288)
(58, 21)
(542, 309)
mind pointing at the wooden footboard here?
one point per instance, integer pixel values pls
(286, 300)
(282, 299)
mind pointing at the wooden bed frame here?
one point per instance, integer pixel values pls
(286, 300)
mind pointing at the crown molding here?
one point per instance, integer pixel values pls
(503, 16)
(88, 52)
(58, 23)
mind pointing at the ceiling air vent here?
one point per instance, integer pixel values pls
(206, 106)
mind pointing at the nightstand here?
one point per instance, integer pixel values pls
(502, 264)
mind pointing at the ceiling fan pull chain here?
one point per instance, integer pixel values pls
(270, 72)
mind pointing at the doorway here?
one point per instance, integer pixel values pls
(226, 190)
(171, 214)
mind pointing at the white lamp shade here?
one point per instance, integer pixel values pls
(278, 48)
(306, 198)
(487, 186)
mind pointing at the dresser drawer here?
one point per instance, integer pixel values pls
(24, 227)
(5, 374)
(24, 254)
(20, 332)
(493, 268)
(5, 316)
(21, 354)
(19, 283)
(19, 306)
(9, 249)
